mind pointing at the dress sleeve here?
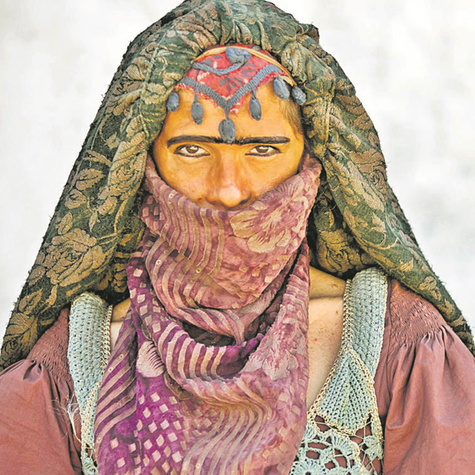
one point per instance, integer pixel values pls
(425, 387)
(36, 435)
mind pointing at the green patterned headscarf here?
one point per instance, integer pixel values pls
(356, 221)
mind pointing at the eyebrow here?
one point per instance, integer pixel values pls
(243, 141)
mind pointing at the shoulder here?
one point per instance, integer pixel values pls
(51, 349)
(417, 342)
(418, 348)
(37, 404)
(323, 285)
(409, 316)
(415, 332)
(425, 389)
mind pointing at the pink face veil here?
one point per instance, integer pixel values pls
(210, 371)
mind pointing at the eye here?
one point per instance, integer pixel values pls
(264, 151)
(192, 151)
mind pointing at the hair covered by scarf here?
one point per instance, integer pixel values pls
(356, 221)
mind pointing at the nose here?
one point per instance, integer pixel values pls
(229, 186)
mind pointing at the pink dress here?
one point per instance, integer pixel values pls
(425, 389)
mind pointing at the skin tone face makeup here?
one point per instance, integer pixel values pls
(194, 160)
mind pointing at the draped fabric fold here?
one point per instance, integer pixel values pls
(356, 221)
(219, 381)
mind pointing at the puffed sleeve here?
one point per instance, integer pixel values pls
(425, 387)
(36, 435)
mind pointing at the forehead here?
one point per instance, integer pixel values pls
(272, 122)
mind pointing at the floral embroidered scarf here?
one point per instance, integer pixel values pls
(209, 375)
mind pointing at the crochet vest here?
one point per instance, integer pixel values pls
(343, 433)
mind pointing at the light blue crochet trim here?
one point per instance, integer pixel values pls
(347, 402)
(88, 355)
(369, 301)
(365, 308)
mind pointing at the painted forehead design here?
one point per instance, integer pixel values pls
(226, 75)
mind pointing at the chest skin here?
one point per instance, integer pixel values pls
(325, 327)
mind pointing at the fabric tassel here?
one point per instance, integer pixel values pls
(281, 89)
(197, 111)
(235, 55)
(298, 95)
(227, 130)
(173, 102)
(255, 107)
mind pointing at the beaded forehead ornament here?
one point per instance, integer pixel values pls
(226, 75)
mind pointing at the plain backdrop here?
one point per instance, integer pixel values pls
(412, 63)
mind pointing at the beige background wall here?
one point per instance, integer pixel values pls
(412, 62)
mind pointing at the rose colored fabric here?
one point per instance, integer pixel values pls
(235, 401)
(424, 387)
(36, 437)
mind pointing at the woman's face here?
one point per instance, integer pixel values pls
(194, 160)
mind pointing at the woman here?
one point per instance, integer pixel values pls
(221, 364)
